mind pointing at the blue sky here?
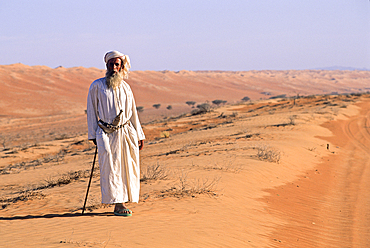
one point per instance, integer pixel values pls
(187, 35)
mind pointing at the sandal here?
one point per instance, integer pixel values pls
(123, 212)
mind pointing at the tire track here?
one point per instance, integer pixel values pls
(332, 208)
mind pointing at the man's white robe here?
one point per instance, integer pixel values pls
(118, 152)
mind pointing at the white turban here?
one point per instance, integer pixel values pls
(125, 60)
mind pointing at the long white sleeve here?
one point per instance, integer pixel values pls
(136, 122)
(92, 111)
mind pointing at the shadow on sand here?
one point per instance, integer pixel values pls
(50, 216)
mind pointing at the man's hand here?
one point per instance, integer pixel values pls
(141, 144)
(94, 141)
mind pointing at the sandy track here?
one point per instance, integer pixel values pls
(331, 204)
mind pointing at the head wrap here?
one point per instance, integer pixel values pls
(125, 60)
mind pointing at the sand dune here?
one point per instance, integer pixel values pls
(45, 91)
(268, 173)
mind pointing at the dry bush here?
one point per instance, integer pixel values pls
(18, 167)
(154, 172)
(24, 196)
(292, 120)
(226, 165)
(156, 106)
(140, 109)
(165, 134)
(311, 149)
(191, 188)
(190, 103)
(266, 153)
(32, 191)
(66, 178)
(201, 109)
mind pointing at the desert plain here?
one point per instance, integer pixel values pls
(286, 167)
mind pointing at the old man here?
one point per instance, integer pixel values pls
(114, 126)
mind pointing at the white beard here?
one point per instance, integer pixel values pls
(113, 80)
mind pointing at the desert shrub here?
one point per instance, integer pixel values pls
(165, 134)
(266, 93)
(190, 103)
(154, 172)
(218, 102)
(65, 178)
(268, 154)
(356, 94)
(157, 106)
(292, 119)
(204, 107)
(245, 99)
(23, 196)
(169, 107)
(186, 187)
(201, 109)
(278, 96)
(140, 109)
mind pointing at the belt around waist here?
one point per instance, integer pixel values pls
(109, 128)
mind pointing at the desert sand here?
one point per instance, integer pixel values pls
(278, 172)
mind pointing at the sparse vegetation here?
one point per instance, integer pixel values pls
(278, 96)
(269, 154)
(311, 149)
(17, 167)
(66, 178)
(156, 106)
(246, 99)
(140, 109)
(165, 134)
(3, 140)
(266, 93)
(292, 119)
(32, 192)
(24, 196)
(154, 172)
(226, 166)
(218, 102)
(187, 188)
(201, 109)
(190, 103)
(169, 107)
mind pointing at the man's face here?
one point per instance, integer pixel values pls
(114, 65)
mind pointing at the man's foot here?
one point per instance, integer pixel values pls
(121, 210)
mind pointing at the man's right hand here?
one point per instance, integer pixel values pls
(94, 141)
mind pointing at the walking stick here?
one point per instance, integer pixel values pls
(88, 187)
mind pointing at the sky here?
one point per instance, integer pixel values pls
(187, 35)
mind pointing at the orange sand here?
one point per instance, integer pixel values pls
(219, 190)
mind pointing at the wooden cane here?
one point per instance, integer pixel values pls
(88, 187)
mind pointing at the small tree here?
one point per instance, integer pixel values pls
(245, 99)
(157, 106)
(218, 102)
(190, 103)
(201, 109)
(278, 96)
(140, 109)
(204, 107)
(169, 107)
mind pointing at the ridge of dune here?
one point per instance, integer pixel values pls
(42, 91)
